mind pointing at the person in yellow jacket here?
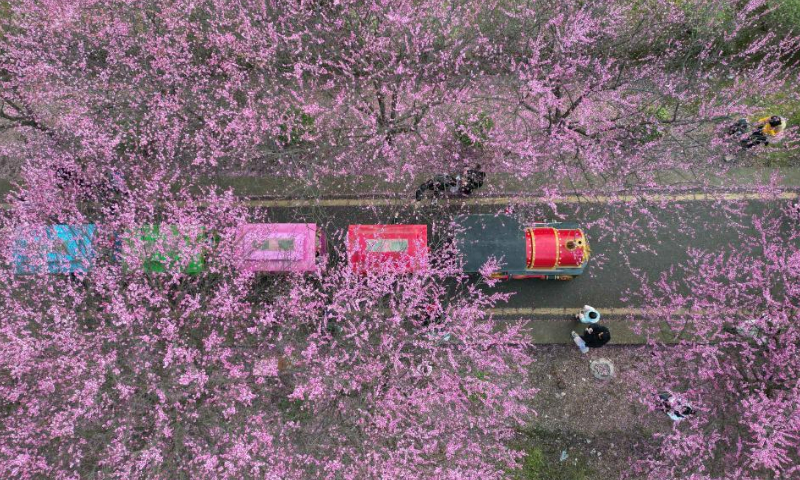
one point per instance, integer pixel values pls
(772, 126)
(764, 128)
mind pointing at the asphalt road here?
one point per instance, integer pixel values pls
(644, 236)
(624, 238)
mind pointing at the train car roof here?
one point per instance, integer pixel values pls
(371, 247)
(276, 247)
(54, 248)
(482, 236)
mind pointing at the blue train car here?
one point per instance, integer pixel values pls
(54, 249)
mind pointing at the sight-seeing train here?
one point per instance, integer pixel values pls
(550, 250)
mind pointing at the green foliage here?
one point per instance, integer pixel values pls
(786, 16)
(648, 132)
(663, 114)
(334, 328)
(783, 20)
(786, 104)
(717, 21)
(5, 10)
(473, 130)
(296, 124)
(294, 410)
(545, 465)
(543, 449)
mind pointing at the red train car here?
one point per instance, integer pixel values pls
(552, 251)
(399, 248)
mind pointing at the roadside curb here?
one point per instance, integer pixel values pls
(551, 332)
(275, 188)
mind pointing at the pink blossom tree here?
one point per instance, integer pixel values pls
(117, 107)
(610, 93)
(734, 312)
(121, 372)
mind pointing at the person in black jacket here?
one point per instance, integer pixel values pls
(456, 186)
(439, 185)
(108, 191)
(471, 179)
(596, 336)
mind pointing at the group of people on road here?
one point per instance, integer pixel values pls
(460, 185)
(758, 133)
(595, 335)
(754, 134)
(109, 189)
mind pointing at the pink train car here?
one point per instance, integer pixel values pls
(280, 247)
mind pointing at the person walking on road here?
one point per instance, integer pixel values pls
(588, 315)
(595, 336)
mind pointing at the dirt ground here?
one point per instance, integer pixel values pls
(586, 428)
